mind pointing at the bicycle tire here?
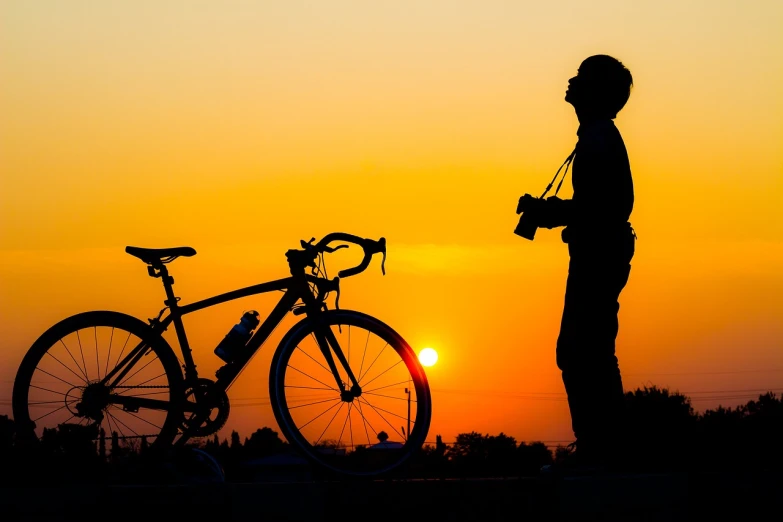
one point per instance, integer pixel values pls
(87, 322)
(361, 466)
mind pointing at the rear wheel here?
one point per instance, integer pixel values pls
(61, 388)
(368, 433)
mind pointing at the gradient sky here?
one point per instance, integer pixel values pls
(240, 127)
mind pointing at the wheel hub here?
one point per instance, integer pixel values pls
(349, 395)
(95, 399)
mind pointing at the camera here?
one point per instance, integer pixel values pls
(528, 223)
(527, 226)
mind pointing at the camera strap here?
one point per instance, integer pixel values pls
(566, 164)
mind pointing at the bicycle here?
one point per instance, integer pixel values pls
(145, 396)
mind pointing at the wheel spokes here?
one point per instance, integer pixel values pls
(383, 412)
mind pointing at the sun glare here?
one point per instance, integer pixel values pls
(428, 357)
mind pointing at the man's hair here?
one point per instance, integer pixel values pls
(613, 81)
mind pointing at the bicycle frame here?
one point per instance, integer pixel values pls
(232, 369)
(295, 288)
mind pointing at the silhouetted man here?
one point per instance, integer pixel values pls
(601, 244)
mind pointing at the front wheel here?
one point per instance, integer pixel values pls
(368, 434)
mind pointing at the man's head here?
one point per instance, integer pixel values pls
(601, 87)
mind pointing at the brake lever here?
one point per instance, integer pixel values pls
(383, 263)
(329, 250)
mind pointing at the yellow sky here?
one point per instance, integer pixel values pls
(239, 128)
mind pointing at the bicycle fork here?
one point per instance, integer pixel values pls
(327, 343)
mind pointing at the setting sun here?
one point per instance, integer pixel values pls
(428, 357)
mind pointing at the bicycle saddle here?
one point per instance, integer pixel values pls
(160, 255)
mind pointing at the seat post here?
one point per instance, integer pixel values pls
(171, 302)
(168, 285)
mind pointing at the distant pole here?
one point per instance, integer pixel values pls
(409, 412)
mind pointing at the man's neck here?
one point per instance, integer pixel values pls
(587, 117)
(587, 121)
(587, 114)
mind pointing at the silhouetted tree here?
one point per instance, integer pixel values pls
(432, 461)
(115, 445)
(747, 436)
(531, 457)
(235, 453)
(49, 442)
(660, 429)
(102, 445)
(263, 442)
(7, 430)
(440, 446)
(561, 453)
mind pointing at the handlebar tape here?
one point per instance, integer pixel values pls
(370, 248)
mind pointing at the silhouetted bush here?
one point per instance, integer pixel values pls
(663, 433)
(747, 436)
(479, 455)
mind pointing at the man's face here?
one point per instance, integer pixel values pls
(581, 88)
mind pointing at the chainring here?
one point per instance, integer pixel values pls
(209, 398)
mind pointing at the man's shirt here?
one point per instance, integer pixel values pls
(603, 187)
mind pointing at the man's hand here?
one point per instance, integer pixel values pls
(527, 202)
(553, 212)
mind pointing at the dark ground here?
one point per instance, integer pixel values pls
(663, 497)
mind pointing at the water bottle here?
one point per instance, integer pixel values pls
(237, 337)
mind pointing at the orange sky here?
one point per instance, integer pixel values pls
(239, 128)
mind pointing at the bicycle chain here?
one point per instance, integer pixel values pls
(150, 386)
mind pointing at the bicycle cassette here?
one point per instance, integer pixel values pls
(210, 400)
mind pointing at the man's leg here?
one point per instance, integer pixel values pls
(602, 369)
(586, 350)
(570, 352)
